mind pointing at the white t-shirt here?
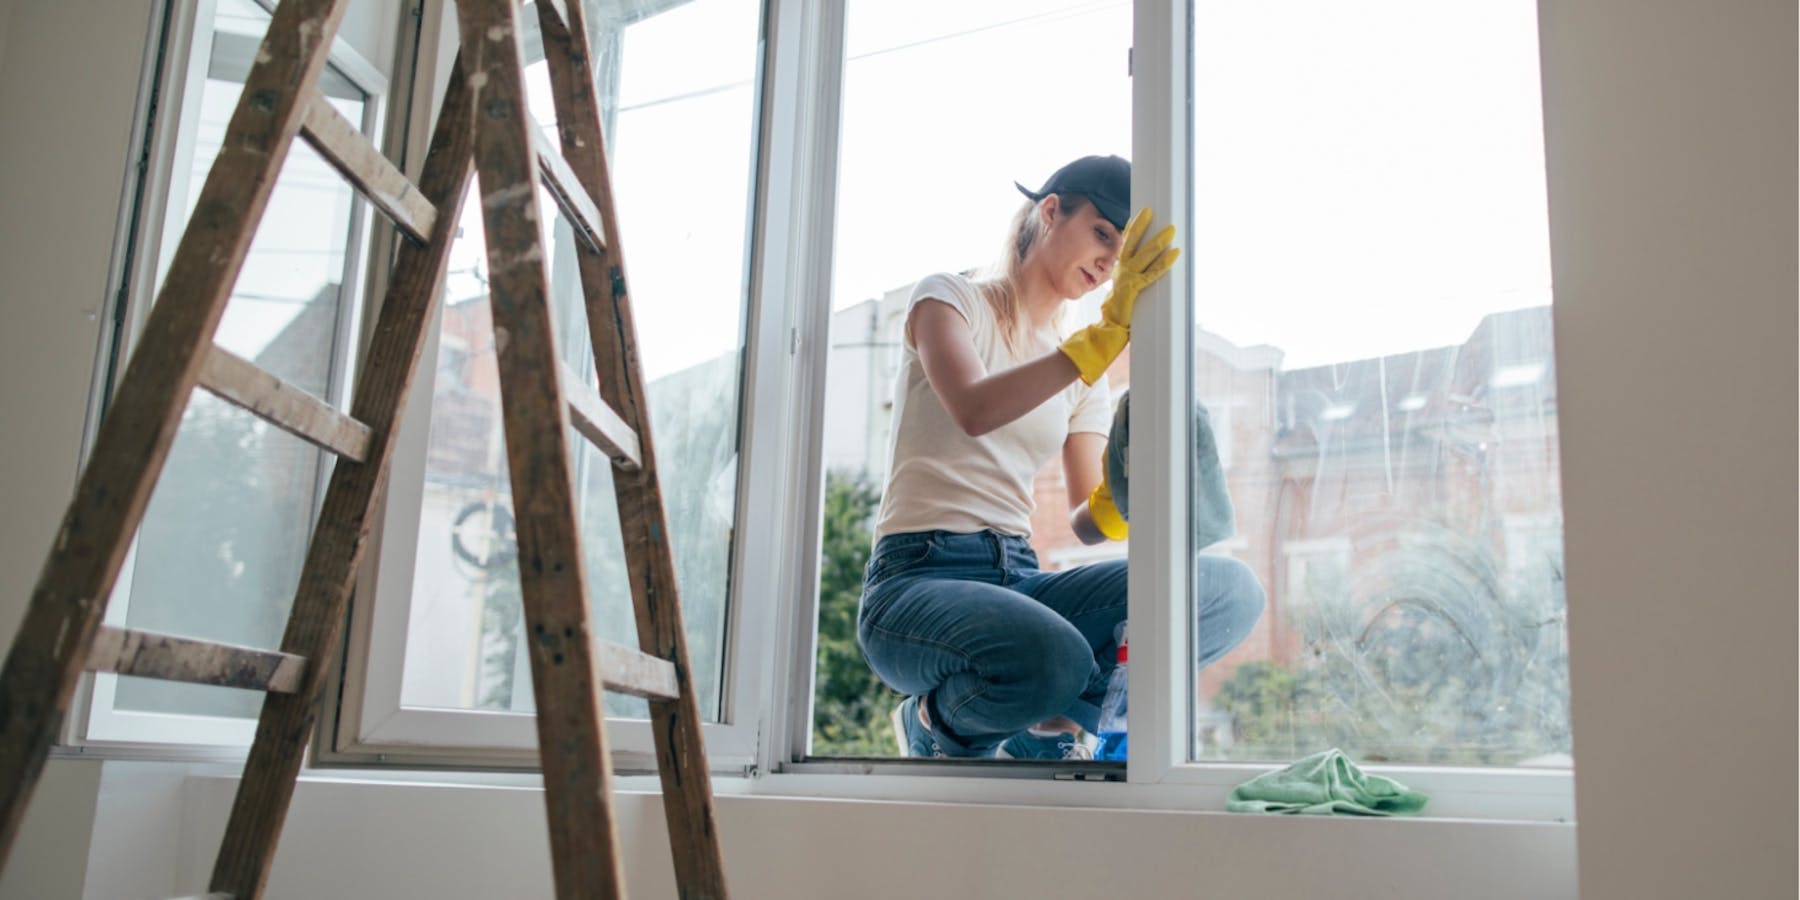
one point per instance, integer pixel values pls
(940, 478)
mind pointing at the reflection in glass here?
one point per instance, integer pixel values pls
(677, 105)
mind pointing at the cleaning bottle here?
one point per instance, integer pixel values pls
(1113, 737)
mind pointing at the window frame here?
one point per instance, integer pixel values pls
(180, 66)
(772, 617)
(1159, 775)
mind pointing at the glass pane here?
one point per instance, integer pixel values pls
(1373, 350)
(945, 105)
(223, 540)
(676, 85)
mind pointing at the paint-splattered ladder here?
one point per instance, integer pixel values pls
(484, 127)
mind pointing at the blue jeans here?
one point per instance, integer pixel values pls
(968, 623)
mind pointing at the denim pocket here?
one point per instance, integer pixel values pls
(897, 558)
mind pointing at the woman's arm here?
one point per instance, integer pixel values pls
(1082, 453)
(977, 401)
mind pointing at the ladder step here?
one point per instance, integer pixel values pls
(151, 655)
(627, 671)
(599, 423)
(244, 383)
(344, 146)
(577, 204)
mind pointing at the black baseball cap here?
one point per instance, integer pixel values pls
(1105, 180)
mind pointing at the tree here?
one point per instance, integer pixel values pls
(850, 704)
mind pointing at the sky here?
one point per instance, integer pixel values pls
(1368, 178)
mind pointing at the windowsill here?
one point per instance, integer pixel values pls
(1459, 797)
(1538, 796)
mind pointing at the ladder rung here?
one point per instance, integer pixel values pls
(244, 383)
(574, 199)
(171, 658)
(345, 147)
(599, 423)
(635, 672)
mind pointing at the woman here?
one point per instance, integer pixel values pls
(955, 613)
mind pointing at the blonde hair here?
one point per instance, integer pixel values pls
(1000, 283)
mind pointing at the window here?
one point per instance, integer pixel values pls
(1372, 290)
(678, 87)
(1368, 332)
(1393, 474)
(206, 563)
(944, 106)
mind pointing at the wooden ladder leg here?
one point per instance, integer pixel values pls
(315, 624)
(571, 740)
(69, 601)
(680, 748)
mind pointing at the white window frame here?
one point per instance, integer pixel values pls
(95, 723)
(1160, 588)
(1159, 775)
(374, 726)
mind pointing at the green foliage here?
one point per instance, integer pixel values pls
(1263, 697)
(850, 704)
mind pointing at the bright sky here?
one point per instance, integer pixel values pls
(1368, 177)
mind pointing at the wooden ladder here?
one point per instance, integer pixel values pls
(484, 126)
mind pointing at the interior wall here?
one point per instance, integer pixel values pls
(6, 7)
(442, 841)
(68, 91)
(49, 857)
(1670, 132)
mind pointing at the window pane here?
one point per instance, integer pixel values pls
(945, 105)
(223, 540)
(1373, 346)
(676, 86)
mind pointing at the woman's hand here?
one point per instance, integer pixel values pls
(1094, 348)
(1084, 474)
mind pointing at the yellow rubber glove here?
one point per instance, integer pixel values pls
(1105, 513)
(1095, 347)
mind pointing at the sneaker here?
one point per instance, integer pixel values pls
(912, 735)
(1032, 745)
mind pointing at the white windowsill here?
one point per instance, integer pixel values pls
(1458, 796)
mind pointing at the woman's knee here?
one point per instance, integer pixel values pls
(1051, 666)
(1229, 593)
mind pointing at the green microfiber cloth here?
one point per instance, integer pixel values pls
(1325, 784)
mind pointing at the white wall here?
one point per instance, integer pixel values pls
(1671, 152)
(68, 89)
(49, 857)
(6, 8)
(449, 842)
(1671, 156)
